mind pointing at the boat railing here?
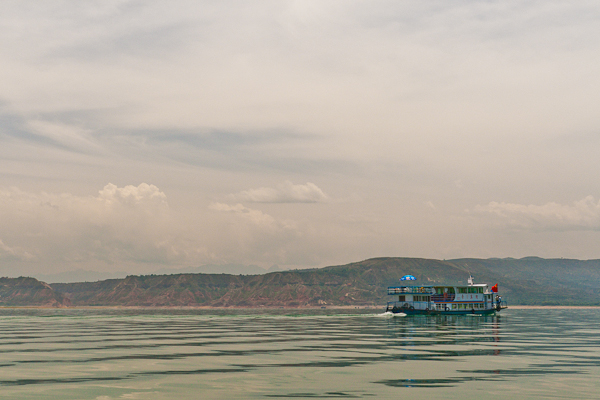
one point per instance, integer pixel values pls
(410, 289)
(444, 297)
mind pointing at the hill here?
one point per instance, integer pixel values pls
(29, 292)
(531, 281)
(354, 284)
(539, 281)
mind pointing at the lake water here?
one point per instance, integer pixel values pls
(316, 354)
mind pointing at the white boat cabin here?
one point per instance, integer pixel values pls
(444, 298)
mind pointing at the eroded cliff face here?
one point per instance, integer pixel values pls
(30, 292)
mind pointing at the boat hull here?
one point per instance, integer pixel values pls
(408, 311)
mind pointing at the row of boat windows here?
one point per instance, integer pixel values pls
(442, 290)
(470, 290)
(436, 290)
(428, 298)
(415, 298)
(476, 306)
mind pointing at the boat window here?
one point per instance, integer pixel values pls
(462, 290)
(479, 290)
(451, 290)
(472, 290)
(401, 298)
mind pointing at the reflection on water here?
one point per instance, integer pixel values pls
(167, 354)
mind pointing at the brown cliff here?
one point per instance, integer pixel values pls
(30, 292)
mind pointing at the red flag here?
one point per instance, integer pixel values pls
(495, 288)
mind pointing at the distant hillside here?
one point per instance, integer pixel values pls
(539, 281)
(531, 280)
(355, 284)
(29, 292)
(526, 281)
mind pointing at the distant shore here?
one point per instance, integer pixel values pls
(552, 307)
(515, 307)
(199, 307)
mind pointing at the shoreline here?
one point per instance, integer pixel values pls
(515, 307)
(195, 308)
(523, 307)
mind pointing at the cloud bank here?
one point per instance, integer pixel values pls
(412, 111)
(120, 224)
(583, 214)
(133, 228)
(287, 192)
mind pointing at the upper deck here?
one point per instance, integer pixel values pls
(410, 289)
(440, 289)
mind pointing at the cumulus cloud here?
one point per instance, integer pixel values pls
(133, 195)
(12, 253)
(583, 214)
(286, 192)
(251, 233)
(120, 224)
(254, 217)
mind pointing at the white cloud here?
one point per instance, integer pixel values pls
(132, 223)
(581, 215)
(133, 195)
(246, 233)
(12, 253)
(255, 217)
(61, 134)
(388, 101)
(287, 192)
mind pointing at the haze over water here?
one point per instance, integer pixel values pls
(248, 354)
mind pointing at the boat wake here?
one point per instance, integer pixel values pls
(389, 314)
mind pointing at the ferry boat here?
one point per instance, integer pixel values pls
(445, 299)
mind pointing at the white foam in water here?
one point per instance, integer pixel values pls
(389, 314)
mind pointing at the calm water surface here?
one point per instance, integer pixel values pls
(245, 354)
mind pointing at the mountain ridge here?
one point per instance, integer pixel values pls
(527, 281)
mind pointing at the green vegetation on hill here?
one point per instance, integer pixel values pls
(539, 281)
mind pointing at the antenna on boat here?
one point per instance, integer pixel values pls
(470, 280)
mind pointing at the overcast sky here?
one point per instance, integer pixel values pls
(137, 135)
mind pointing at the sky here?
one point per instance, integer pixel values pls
(143, 135)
